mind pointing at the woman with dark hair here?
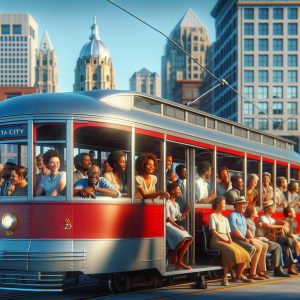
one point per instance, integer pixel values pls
(178, 238)
(54, 183)
(232, 253)
(117, 160)
(18, 186)
(145, 182)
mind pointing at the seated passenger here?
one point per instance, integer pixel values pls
(1, 171)
(269, 228)
(169, 165)
(181, 172)
(172, 177)
(178, 238)
(202, 190)
(281, 188)
(18, 186)
(117, 177)
(145, 182)
(54, 183)
(233, 255)
(95, 185)
(6, 173)
(293, 188)
(82, 163)
(268, 193)
(251, 190)
(224, 183)
(236, 191)
(105, 168)
(43, 170)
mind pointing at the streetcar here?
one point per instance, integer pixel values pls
(45, 239)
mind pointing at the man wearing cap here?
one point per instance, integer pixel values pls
(267, 225)
(243, 237)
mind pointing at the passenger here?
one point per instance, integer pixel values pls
(293, 188)
(202, 193)
(1, 172)
(105, 168)
(243, 237)
(82, 162)
(172, 177)
(169, 165)
(181, 172)
(178, 238)
(18, 186)
(117, 177)
(281, 184)
(236, 191)
(92, 155)
(233, 255)
(251, 214)
(6, 174)
(268, 193)
(251, 191)
(224, 183)
(43, 170)
(95, 185)
(268, 229)
(145, 182)
(54, 183)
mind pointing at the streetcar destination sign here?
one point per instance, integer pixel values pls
(14, 131)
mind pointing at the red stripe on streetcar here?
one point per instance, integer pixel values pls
(190, 142)
(295, 167)
(149, 133)
(230, 151)
(282, 163)
(99, 124)
(252, 156)
(269, 160)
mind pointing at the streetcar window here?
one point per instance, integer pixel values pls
(268, 182)
(252, 186)
(295, 174)
(50, 159)
(104, 143)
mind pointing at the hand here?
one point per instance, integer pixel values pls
(229, 241)
(251, 241)
(181, 228)
(86, 192)
(10, 189)
(212, 196)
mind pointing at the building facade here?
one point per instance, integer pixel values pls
(18, 43)
(192, 36)
(257, 48)
(46, 66)
(94, 69)
(145, 82)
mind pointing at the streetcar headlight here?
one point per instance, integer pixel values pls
(9, 221)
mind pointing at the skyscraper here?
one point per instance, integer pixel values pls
(18, 43)
(46, 66)
(94, 69)
(257, 52)
(146, 82)
(177, 68)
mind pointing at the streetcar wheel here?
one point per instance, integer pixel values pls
(201, 282)
(119, 283)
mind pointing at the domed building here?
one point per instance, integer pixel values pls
(94, 69)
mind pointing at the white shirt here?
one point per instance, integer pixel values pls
(201, 189)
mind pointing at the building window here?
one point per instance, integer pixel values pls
(277, 108)
(248, 109)
(277, 44)
(263, 60)
(263, 76)
(248, 60)
(249, 92)
(248, 13)
(277, 76)
(248, 29)
(277, 124)
(44, 62)
(292, 29)
(277, 92)
(292, 92)
(292, 124)
(277, 60)
(263, 29)
(17, 29)
(292, 13)
(45, 78)
(249, 122)
(292, 108)
(292, 45)
(262, 108)
(292, 76)
(81, 78)
(249, 76)
(277, 29)
(263, 45)
(263, 124)
(292, 60)
(263, 92)
(5, 29)
(277, 13)
(263, 13)
(248, 44)
(95, 76)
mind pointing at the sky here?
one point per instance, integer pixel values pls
(132, 45)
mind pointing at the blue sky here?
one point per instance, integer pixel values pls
(131, 44)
